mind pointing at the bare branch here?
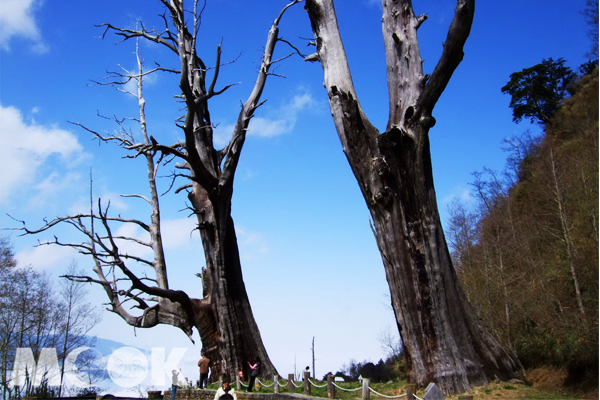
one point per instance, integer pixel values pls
(134, 240)
(137, 196)
(130, 296)
(304, 56)
(312, 57)
(150, 35)
(420, 19)
(282, 58)
(233, 149)
(82, 279)
(186, 186)
(174, 177)
(452, 55)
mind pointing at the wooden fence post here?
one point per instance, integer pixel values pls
(366, 394)
(238, 384)
(411, 390)
(276, 383)
(330, 387)
(306, 383)
(291, 386)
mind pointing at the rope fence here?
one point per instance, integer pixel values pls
(388, 397)
(331, 386)
(347, 390)
(264, 384)
(317, 386)
(294, 383)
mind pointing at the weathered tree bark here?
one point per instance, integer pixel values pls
(444, 340)
(229, 334)
(231, 337)
(223, 317)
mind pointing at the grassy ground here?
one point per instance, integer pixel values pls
(503, 390)
(492, 391)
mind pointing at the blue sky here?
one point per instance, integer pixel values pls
(302, 225)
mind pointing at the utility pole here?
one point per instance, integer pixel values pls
(313, 358)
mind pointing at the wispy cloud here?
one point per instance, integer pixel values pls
(116, 201)
(461, 193)
(130, 247)
(56, 183)
(373, 3)
(176, 235)
(46, 257)
(287, 115)
(17, 20)
(131, 85)
(276, 122)
(252, 244)
(222, 134)
(25, 147)
(179, 233)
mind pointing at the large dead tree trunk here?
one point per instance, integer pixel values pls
(232, 337)
(223, 317)
(444, 340)
(236, 339)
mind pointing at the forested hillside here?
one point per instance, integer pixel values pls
(527, 255)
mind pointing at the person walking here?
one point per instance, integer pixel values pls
(204, 365)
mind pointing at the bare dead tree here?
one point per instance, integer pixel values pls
(565, 236)
(444, 339)
(78, 317)
(223, 317)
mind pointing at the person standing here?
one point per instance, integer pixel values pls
(204, 364)
(174, 383)
(254, 372)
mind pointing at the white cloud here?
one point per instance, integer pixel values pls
(131, 247)
(222, 135)
(251, 244)
(276, 123)
(46, 256)
(131, 85)
(16, 19)
(56, 183)
(178, 233)
(26, 147)
(461, 193)
(117, 203)
(373, 3)
(266, 127)
(287, 116)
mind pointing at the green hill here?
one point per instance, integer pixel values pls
(527, 256)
